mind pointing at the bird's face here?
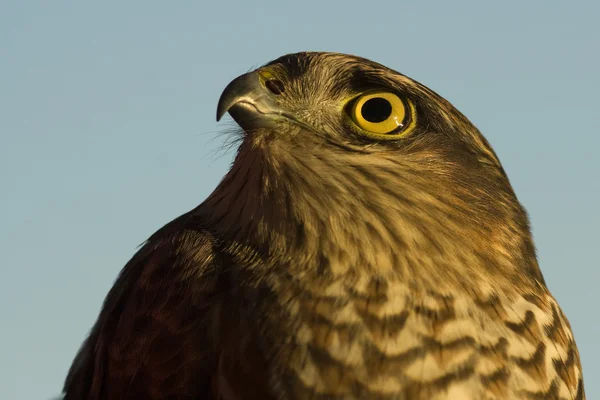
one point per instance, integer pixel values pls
(345, 101)
(323, 98)
(342, 148)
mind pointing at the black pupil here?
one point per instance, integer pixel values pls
(376, 110)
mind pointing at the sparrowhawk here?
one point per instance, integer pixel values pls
(365, 244)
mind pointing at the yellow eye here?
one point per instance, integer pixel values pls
(382, 115)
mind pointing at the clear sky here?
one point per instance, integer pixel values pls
(107, 131)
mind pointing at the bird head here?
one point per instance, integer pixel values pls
(348, 102)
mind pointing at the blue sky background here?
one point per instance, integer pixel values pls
(107, 131)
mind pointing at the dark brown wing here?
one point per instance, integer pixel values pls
(152, 338)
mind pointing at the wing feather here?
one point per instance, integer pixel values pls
(152, 338)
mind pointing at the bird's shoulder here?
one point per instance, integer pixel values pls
(152, 338)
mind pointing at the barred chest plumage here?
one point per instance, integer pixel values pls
(369, 338)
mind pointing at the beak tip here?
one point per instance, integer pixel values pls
(221, 110)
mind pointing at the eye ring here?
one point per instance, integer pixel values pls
(382, 115)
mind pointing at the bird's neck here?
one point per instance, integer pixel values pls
(342, 214)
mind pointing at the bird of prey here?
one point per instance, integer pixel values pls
(365, 244)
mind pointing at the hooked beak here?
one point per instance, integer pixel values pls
(249, 102)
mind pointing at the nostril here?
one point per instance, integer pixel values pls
(275, 86)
